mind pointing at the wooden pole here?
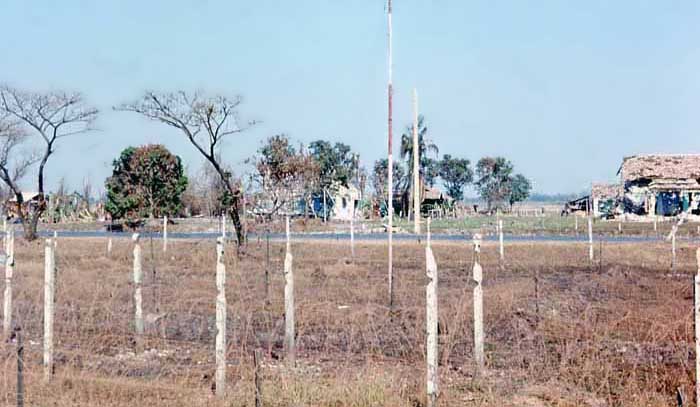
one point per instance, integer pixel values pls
(138, 280)
(325, 207)
(478, 307)
(220, 319)
(20, 368)
(257, 378)
(9, 272)
(390, 162)
(165, 234)
(289, 340)
(590, 239)
(49, 291)
(431, 301)
(416, 166)
(576, 223)
(109, 247)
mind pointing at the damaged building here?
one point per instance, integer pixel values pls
(663, 185)
(605, 199)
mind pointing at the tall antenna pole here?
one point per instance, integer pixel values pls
(416, 167)
(390, 164)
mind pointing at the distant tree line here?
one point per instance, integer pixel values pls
(149, 181)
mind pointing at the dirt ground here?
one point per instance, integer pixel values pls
(559, 330)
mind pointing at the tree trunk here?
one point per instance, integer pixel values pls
(236, 220)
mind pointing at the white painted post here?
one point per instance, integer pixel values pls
(220, 319)
(619, 227)
(590, 239)
(352, 234)
(9, 271)
(223, 225)
(165, 234)
(673, 248)
(576, 223)
(500, 241)
(49, 291)
(138, 280)
(431, 302)
(109, 247)
(289, 341)
(478, 307)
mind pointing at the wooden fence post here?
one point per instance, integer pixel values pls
(478, 307)
(257, 379)
(576, 223)
(289, 340)
(431, 302)
(9, 272)
(590, 239)
(49, 292)
(220, 319)
(165, 234)
(138, 280)
(109, 247)
(20, 367)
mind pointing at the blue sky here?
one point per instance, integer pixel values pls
(564, 89)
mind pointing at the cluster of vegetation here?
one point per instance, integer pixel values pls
(149, 181)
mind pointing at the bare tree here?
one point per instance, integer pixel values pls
(13, 163)
(52, 116)
(205, 121)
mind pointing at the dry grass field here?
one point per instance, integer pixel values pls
(559, 331)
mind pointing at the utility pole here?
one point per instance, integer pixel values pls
(390, 163)
(416, 167)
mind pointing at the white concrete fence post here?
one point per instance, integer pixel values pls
(696, 312)
(49, 294)
(138, 281)
(673, 248)
(223, 225)
(352, 235)
(500, 241)
(109, 247)
(590, 239)
(165, 234)
(478, 307)
(289, 340)
(221, 306)
(431, 302)
(9, 272)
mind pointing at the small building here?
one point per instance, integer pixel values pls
(660, 184)
(605, 199)
(30, 200)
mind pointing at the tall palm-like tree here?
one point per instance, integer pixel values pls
(426, 164)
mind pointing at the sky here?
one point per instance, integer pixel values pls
(563, 89)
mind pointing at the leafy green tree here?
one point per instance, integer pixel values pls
(336, 162)
(494, 180)
(284, 174)
(380, 175)
(146, 181)
(427, 166)
(456, 174)
(520, 188)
